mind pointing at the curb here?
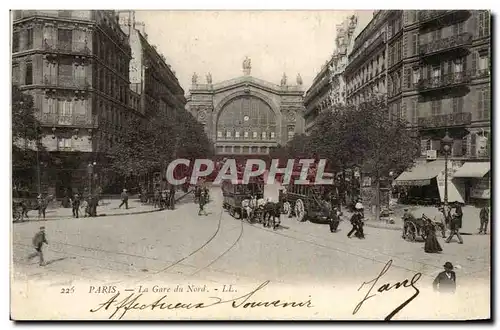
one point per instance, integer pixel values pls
(103, 214)
(99, 216)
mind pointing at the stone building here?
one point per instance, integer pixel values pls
(446, 87)
(365, 74)
(434, 69)
(152, 81)
(75, 65)
(328, 87)
(246, 115)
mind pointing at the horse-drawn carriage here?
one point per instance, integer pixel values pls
(24, 201)
(234, 193)
(306, 201)
(419, 227)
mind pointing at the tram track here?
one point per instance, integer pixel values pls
(359, 255)
(156, 272)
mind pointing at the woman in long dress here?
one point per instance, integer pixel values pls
(431, 242)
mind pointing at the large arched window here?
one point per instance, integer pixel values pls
(247, 118)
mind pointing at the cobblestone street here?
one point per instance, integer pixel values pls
(179, 245)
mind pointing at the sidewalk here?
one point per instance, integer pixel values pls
(106, 207)
(470, 222)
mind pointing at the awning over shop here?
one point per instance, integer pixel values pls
(472, 170)
(420, 175)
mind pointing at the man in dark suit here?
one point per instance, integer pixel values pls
(456, 224)
(484, 217)
(357, 225)
(38, 241)
(446, 282)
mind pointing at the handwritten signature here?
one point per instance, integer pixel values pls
(387, 287)
(133, 302)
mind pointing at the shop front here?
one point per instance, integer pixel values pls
(475, 176)
(424, 184)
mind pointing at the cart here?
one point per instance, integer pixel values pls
(305, 201)
(234, 193)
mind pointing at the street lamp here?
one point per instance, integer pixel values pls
(447, 142)
(90, 171)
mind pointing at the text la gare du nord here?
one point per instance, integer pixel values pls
(203, 168)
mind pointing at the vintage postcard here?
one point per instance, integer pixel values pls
(250, 165)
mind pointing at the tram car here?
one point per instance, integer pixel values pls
(234, 193)
(305, 201)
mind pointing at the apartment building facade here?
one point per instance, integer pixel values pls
(441, 85)
(75, 65)
(366, 71)
(433, 67)
(153, 81)
(329, 88)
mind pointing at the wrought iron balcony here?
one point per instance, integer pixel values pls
(440, 17)
(443, 121)
(71, 120)
(463, 40)
(66, 82)
(446, 81)
(482, 73)
(75, 47)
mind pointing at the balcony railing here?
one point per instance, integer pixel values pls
(74, 47)
(66, 82)
(482, 73)
(445, 81)
(436, 46)
(54, 119)
(448, 120)
(426, 16)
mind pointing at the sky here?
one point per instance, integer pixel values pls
(277, 42)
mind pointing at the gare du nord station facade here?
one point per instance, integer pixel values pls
(246, 117)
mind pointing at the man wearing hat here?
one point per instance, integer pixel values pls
(124, 197)
(75, 204)
(445, 282)
(38, 241)
(357, 225)
(456, 224)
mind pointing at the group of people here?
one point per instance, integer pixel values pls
(89, 205)
(164, 198)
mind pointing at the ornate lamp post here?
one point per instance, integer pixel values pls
(447, 142)
(90, 171)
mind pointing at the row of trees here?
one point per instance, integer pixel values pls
(359, 136)
(26, 138)
(149, 144)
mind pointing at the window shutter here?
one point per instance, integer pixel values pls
(474, 63)
(480, 104)
(486, 104)
(473, 144)
(408, 77)
(455, 105)
(466, 145)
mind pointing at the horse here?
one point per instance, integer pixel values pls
(40, 205)
(272, 214)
